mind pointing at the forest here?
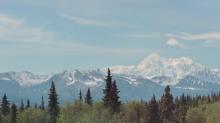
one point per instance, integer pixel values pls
(166, 109)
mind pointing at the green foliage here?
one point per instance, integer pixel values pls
(6, 119)
(22, 106)
(167, 106)
(42, 107)
(88, 98)
(186, 109)
(28, 105)
(114, 98)
(134, 112)
(111, 94)
(53, 104)
(83, 113)
(154, 114)
(5, 106)
(106, 91)
(13, 113)
(207, 113)
(80, 96)
(31, 115)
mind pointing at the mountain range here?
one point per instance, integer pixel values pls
(135, 82)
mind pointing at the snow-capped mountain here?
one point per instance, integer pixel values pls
(24, 78)
(155, 66)
(143, 80)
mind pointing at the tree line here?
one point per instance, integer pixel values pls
(167, 109)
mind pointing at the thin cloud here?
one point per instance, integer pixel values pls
(174, 43)
(142, 35)
(206, 39)
(84, 21)
(196, 37)
(17, 38)
(15, 30)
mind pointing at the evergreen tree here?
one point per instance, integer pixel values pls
(167, 106)
(153, 109)
(28, 105)
(22, 106)
(80, 96)
(88, 98)
(35, 106)
(5, 108)
(114, 98)
(183, 108)
(42, 103)
(106, 91)
(53, 104)
(13, 113)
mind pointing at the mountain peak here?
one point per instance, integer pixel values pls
(153, 56)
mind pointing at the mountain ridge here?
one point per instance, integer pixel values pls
(135, 82)
(153, 66)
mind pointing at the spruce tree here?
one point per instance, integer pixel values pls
(153, 109)
(53, 104)
(28, 105)
(114, 98)
(182, 109)
(167, 105)
(88, 98)
(80, 96)
(5, 106)
(13, 113)
(42, 103)
(21, 106)
(35, 106)
(106, 91)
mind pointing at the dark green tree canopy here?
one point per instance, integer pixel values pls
(80, 96)
(88, 98)
(106, 91)
(5, 106)
(53, 104)
(114, 98)
(28, 104)
(42, 107)
(167, 106)
(153, 109)
(22, 106)
(13, 113)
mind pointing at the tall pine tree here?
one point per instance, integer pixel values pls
(181, 109)
(167, 106)
(53, 104)
(106, 91)
(13, 113)
(28, 105)
(80, 96)
(35, 106)
(88, 98)
(5, 106)
(153, 110)
(21, 106)
(42, 103)
(114, 98)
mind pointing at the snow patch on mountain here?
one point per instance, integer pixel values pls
(162, 71)
(24, 78)
(90, 78)
(156, 66)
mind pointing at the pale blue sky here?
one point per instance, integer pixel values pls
(44, 36)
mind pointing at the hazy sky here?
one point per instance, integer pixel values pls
(45, 36)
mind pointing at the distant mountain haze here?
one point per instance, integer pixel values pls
(135, 82)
